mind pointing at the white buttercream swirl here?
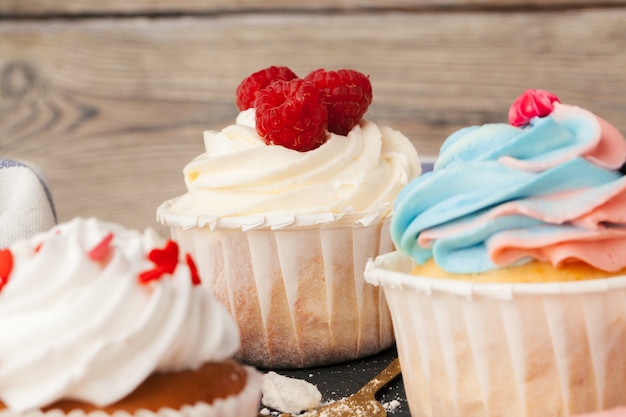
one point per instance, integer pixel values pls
(80, 329)
(239, 175)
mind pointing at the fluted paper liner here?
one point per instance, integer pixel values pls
(244, 404)
(297, 292)
(466, 349)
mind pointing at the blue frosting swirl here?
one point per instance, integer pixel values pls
(479, 168)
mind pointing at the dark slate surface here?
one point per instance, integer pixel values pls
(342, 380)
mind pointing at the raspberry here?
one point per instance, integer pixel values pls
(347, 95)
(290, 114)
(248, 88)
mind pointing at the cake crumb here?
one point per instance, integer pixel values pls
(289, 395)
(391, 406)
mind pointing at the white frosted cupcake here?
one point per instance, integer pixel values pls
(507, 292)
(283, 235)
(101, 319)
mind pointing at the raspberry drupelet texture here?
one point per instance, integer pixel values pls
(249, 87)
(346, 93)
(291, 114)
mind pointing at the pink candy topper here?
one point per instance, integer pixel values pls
(532, 103)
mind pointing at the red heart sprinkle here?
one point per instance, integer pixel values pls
(6, 266)
(166, 257)
(102, 249)
(165, 261)
(151, 275)
(195, 277)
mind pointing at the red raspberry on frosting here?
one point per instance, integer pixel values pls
(250, 86)
(347, 95)
(531, 103)
(291, 114)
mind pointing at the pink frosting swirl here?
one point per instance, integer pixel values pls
(532, 103)
(553, 190)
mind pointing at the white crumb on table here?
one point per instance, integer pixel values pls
(289, 395)
(390, 406)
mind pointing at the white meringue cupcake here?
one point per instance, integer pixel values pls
(107, 320)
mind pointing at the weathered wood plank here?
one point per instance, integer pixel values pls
(81, 7)
(112, 109)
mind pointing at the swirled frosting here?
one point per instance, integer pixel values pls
(239, 175)
(499, 195)
(90, 309)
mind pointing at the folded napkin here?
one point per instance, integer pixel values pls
(26, 205)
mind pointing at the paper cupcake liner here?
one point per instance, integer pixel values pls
(505, 349)
(297, 293)
(244, 404)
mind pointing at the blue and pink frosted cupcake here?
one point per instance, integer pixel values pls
(508, 291)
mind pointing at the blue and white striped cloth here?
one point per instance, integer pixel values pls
(26, 205)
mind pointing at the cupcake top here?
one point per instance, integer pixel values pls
(92, 309)
(547, 186)
(299, 152)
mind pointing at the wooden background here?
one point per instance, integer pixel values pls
(110, 98)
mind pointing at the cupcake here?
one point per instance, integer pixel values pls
(284, 208)
(97, 318)
(507, 289)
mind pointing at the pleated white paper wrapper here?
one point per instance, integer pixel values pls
(294, 286)
(547, 349)
(245, 404)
